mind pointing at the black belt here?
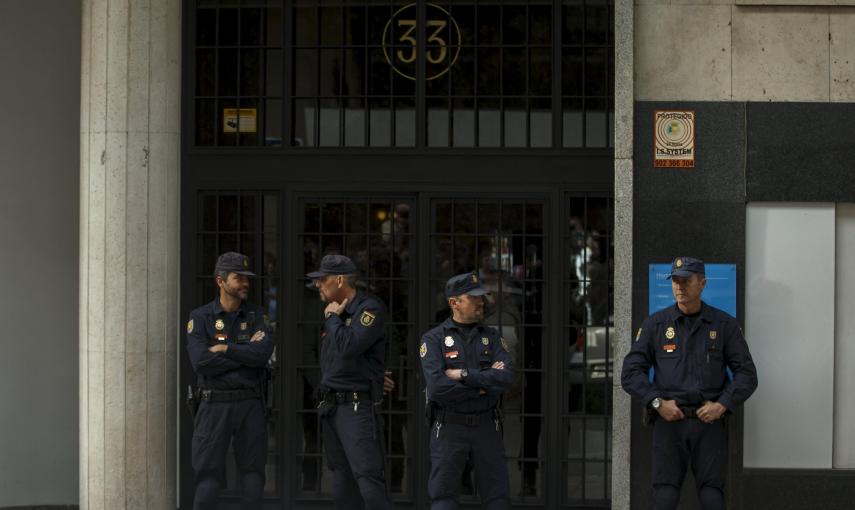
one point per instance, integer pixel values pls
(469, 420)
(343, 397)
(690, 411)
(230, 395)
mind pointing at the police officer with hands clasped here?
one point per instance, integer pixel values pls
(466, 367)
(690, 346)
(229, 348)
(353, 363)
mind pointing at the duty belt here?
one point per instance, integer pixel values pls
(469, 420)
(343, 397)
(230, 395)
(690, 411)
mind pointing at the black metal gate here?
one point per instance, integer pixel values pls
(544, 254)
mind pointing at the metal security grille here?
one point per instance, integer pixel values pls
(345, 93)
(378, 236)
(238, 72)
(246, 222)
(394, 73)
(545, 255)
(505, 241)
(588, 279)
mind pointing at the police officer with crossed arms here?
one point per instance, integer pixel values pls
(229, 346)
(690, 346)
(466, 367)
(353, 364)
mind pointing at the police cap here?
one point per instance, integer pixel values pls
(233, 262)
(683, 267)
(466, 283)
(334, 264)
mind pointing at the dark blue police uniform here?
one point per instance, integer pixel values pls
(690, 356)
(231, 408)
(353, 362)
(466, 419)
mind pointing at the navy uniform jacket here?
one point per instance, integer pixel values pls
(690, 366)
(353, 347)
(238, 367)
(477, 353)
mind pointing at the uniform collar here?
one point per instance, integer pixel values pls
(705, 315)
(218, 308)
(353, 304)
(449, 324)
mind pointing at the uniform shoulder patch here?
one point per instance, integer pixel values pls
(505, 344)
(367, 318)
(190, 326)
(638, 334)
(423, 350)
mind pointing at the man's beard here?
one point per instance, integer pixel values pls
(237, 292)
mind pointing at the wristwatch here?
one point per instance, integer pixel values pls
(655, 403)
(328, 315)
(463, 375)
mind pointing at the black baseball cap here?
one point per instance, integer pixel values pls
(334, 264)
(233, 262)
(683, 267)
(466, 283)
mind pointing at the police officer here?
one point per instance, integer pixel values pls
(229, 347)
(353, 364)
(467, 366)
(689, 345)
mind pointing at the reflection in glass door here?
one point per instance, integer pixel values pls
(378, 236)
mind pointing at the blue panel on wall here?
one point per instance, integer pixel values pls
(720, 291)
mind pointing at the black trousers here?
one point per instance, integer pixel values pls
(216, 425)
(353, 442)
(449, 452)
(679, 444)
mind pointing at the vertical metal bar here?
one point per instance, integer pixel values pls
(584, 74)
(289, 68)
(288, 369)
(527, 67)
(501, 76)
(423, 289)
(476, 107)
(217, 126)
(557, 74)
(317, 101)
(421, 70)
(449, 85)
(341, 99)
(366, 71)
(553, 268)
(393, 105)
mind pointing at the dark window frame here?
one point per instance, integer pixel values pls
(602, 117)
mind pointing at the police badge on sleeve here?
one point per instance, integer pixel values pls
(367, 318)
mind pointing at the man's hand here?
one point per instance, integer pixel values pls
(453, 373)
(335, 308)
(499, 365)
(669, 411)
(257, 337)
(388, 384)
(710, 411)
(219, 348)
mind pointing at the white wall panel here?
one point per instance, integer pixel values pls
(844, 341)
(789, 321)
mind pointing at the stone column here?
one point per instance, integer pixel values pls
(129, 189)
(624, 114)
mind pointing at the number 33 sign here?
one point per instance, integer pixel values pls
(442, 44)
